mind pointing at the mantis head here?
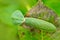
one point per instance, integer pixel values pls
(17, 17)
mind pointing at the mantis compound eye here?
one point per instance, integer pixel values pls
(17, 17)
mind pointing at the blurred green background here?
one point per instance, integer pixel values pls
(8, 31)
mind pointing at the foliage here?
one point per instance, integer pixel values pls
(53, 4)
(9, 31)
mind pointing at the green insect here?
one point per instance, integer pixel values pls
(39, 24)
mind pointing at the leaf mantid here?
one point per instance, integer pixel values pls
(39, 24)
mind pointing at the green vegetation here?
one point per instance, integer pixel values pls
(9, 30)
(53, 4)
